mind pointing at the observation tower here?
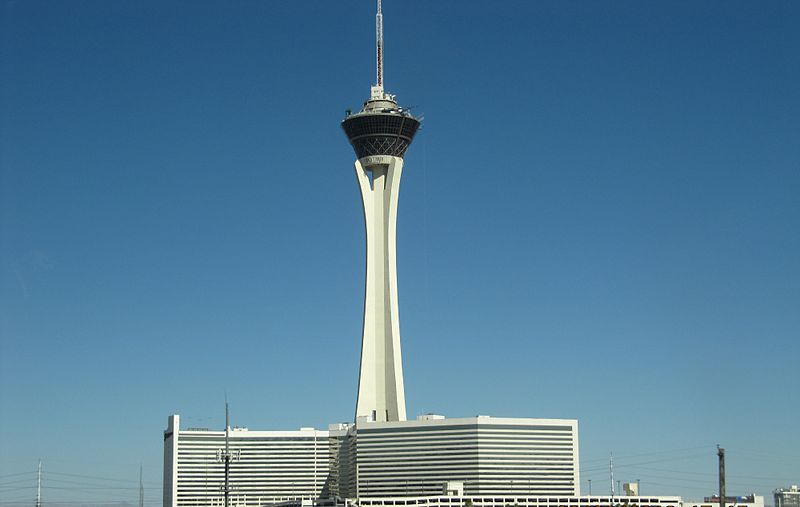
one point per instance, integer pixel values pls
(380, 133)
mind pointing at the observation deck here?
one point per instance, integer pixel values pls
(381, 127)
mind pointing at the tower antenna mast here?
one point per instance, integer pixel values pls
(379, 44)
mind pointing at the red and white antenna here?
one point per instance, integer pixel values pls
(379, 44)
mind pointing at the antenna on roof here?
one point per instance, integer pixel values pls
(379, 44)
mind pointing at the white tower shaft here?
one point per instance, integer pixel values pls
(381, 395)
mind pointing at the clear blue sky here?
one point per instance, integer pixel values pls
(599, 220)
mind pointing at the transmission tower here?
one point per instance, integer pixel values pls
(141, 488)
(39, 485)
(721, 455)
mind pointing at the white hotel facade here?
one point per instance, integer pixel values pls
(483, 455)
(478, 456)
(267, 466)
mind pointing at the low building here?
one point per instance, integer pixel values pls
(630, 488)
(730, 501)
(521, 501)
(456, 500)
(787, 497)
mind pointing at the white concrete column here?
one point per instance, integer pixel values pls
(380, 384)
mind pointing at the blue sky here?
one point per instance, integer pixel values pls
(599, 220)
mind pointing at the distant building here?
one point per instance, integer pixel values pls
(730, 501)
(787, 497)
(631, 488)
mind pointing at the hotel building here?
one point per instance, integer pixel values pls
(474, 456)
(267, 466)
(483, 455)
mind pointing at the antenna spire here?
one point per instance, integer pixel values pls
(379, 44)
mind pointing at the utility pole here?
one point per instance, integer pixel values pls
(141, 488)
(611, 471)
(226, 456)
(590, 487)
(638, 488)
(39, 485)
(721, 454)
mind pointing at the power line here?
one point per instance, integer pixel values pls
(761, 452)
(100, 478)
(17, 481)
(92, 486)
(766, 483)
(31, 472)
(668, 451)
(628, 465)
(24, 501)
(714, 475)
(70, 481)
